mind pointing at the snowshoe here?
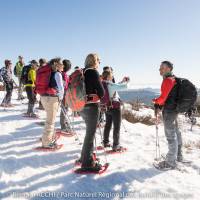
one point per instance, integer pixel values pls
(106, 145)
(65, 133)
(31, 115)
(116, 150)
(163, 166)
(100, 148)
(180, 159)
(55, 138)
(78, 162)
(7, 105)
(96, 169)
(51, 147)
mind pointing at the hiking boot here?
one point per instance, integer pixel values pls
(78, 162)
(107, 145)
(52, 145)
(118, 148)
(164, 165)
(32, 115)
(96, 167)
(21, 98)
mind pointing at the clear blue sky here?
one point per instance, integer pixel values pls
(132, 36)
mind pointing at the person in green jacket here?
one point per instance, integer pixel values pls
(18, 71)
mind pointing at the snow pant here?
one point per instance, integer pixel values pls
(172, 134)
(9, 90)
(50, 104)
(31, 99)
(90, 115)
(113, 116)
(20, 88)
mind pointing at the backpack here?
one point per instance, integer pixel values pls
(24, 75)
(75, 96)
(15, 70)
(186, 95)
(105, 100)
(42, 80)
(1, 78)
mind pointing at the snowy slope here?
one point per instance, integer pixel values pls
(24, 171)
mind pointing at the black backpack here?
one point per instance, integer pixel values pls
(24, 75)
(15, 70)
(186, 95)
(1, 78)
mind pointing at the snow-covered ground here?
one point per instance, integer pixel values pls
(29, 174)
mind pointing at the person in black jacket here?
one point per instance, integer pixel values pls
(6, 73)
(90, 113)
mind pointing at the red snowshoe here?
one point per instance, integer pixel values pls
(96, 169)
(55, 148)
(117, 150)
(65, 133)
(100, 148)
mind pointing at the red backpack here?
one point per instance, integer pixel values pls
(42, 80)
(76, 93)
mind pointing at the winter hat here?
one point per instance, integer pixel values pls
(33, 62)
(7, 62)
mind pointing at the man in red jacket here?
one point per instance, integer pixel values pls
(167, 102)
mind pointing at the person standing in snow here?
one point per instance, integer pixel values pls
(167, 102)
(76, 114)
(112, 105)
(18, 72)
(6, 73)
(110, 69)
(90, 113)
(51, 101)
(42, 62)
(65, 125)
(29, 87)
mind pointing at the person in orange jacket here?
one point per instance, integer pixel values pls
(167, 103)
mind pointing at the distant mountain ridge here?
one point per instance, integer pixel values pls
(144, 95)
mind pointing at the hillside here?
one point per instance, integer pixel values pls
(33, 174)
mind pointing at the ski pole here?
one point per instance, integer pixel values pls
(102, 145)
(157, 139)
(100, 132)
(66, 116)
(124, 127)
